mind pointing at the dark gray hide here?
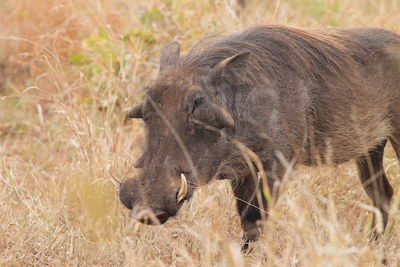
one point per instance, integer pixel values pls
(287, 95)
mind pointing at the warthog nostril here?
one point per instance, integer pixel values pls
(147, 216)
(162, 216)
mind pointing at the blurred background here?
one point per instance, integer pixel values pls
(69, 69)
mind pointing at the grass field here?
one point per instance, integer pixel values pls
(68, 71)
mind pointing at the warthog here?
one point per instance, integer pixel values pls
(250, 106)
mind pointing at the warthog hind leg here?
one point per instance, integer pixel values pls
(376, 184)
(395, 141)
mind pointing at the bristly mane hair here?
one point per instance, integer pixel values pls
(277, 51)
(320, 67)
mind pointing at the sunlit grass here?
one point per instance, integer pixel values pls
(71, 68)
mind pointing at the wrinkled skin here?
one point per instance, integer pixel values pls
(176, 146)
(261, 101)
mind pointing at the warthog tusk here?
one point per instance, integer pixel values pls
(183, 189)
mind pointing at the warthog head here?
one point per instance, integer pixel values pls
(186, 127)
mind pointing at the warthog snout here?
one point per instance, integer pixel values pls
(151, 203)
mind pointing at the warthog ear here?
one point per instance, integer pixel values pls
(169, 55)
(234, 64)
(203, 112)
(135, 112)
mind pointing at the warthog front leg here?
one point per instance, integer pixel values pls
(251, 205)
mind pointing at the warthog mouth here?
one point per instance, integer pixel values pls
(147, 216)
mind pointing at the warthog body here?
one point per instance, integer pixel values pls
(259, 101)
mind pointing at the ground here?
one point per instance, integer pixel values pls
(69, 69)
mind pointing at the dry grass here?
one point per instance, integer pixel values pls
(69, 68)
